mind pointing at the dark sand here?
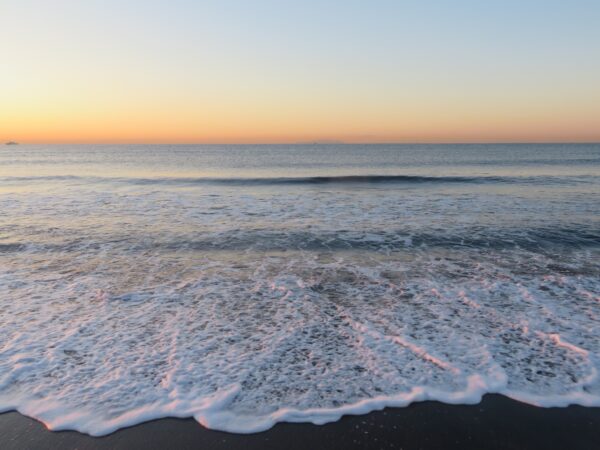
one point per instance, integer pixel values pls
(496, 423)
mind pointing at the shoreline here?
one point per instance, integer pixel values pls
(497, 422)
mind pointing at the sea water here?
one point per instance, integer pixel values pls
(247, 285)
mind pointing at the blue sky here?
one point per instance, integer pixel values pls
(267, 70)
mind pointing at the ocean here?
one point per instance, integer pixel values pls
(249, 285)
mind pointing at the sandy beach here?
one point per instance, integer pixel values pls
(496, 423)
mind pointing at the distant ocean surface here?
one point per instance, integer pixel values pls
(248, 285)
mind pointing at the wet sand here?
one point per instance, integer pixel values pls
(496, 423)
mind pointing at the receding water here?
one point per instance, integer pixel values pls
(246, 285)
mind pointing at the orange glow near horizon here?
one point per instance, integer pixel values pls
(150, 126)
(105, 119)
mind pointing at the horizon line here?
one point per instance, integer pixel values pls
(316, 142)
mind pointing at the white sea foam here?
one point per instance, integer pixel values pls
(242, 341)
(244, 307)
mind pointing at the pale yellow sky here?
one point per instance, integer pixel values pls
(230, 72)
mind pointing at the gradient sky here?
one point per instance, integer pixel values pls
(283, 71)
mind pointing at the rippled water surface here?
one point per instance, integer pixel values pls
(246, 285)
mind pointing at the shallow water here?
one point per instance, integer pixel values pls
(245, 285)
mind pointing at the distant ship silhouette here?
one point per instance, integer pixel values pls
(12, 143)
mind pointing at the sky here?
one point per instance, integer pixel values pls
(240, 71)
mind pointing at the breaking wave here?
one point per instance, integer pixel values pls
(317, 180)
